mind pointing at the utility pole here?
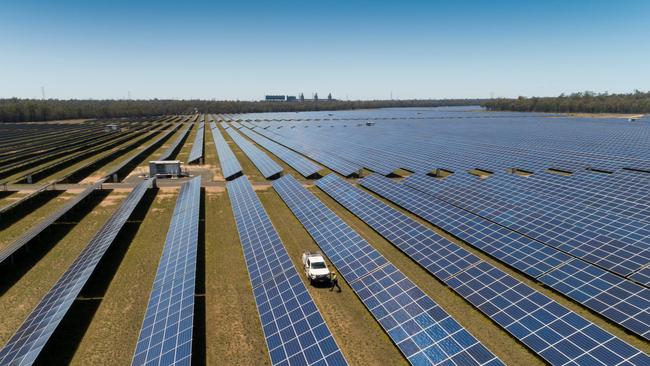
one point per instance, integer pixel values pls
(43, 92)
(391, 95)
(129, 95)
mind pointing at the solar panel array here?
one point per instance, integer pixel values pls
(174, 146)
(230, 167)
(422, 330)
(605, 239)
(523, 253)
(631, 307)
(459, 141)
(196, 153)
(453, 265)
(298, 162)
(39, 228)
(25, 345)
(294, 329)
(166, 332)
(267, 166)
(331, 161)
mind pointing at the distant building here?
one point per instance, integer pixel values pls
(275, 98)
(291, 98)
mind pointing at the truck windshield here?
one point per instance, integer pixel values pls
(318, 265)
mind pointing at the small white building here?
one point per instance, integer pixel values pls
(112, 127)
(165, 168)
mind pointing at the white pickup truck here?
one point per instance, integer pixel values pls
(315, 267)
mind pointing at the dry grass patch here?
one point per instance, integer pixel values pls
(21, 298)
(233, 333)
(112, 335)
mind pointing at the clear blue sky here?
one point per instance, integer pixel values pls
(359, 49)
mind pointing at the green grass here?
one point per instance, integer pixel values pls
(15, 230)
(112, 335)
(233, 332)
(21, 298)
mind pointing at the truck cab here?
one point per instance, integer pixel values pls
(315, 267)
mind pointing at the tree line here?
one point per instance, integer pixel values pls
(586, 102)
(27, 110)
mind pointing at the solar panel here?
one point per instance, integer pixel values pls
(230, 167)
(407, 234)
(523, 253)
(303, 165)
(39, 228)
(294, 329)
(267, 166)
(607, 240)
(196, 153)
(492, 239)
(642, 276)
(166, 332)
(624, 302)
(438, 255)
(173, 147)
(25, 345)
(560, 336)
(421, 329)
(623, 311)
(331, 161)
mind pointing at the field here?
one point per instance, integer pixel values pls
(405, 180)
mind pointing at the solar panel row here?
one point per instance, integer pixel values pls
(174, 146)
(506, 145)
(166, 333)
(610, 241)
(421, 329)
(331, 161)
(196, 153)
(267, 166)
(295, 331)
(453, 265)
(25, 345)
(39, 228)
(630, 311)
(230, 167)
(298, 162)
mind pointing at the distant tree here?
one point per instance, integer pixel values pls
(587, 102)
(315, 96)
(25, 110)
(302, 97)
(329, 97)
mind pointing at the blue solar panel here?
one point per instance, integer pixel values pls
(196, 153)
(267, 166)
(560, 336)
(624, 311)
(438, 255)
(407, 234)
(166, 333)
(622, 301)
(303, 165)
(422, 330)
(523, 253)
(294, 329)
(230, 167)
(331, 161)
(607, 240)
(477, 232)
(642, 276)
(28, 341)
(170, 150)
